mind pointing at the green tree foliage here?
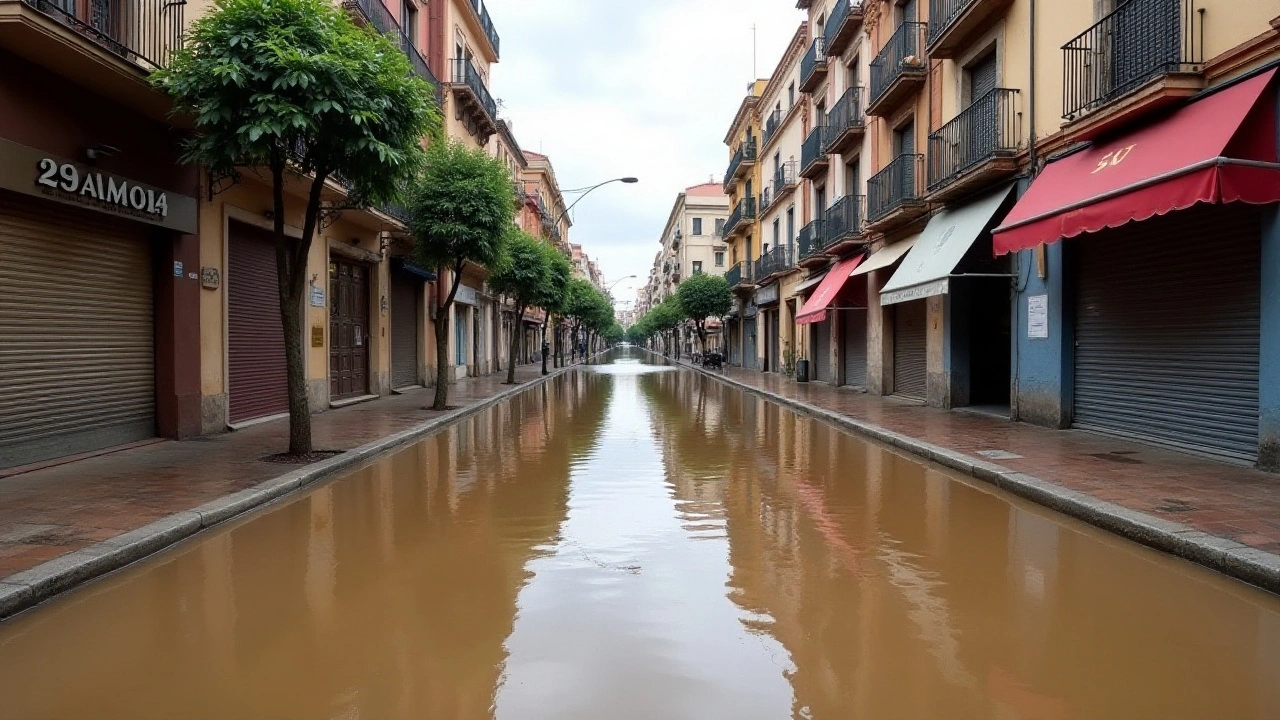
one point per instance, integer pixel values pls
(556, 298)
(460, 210)
(703, 296)
(614, 335)
(522, 276)
(295, 88)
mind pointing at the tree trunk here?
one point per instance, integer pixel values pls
(515, 345)
(442, 340)
(545, 349)
(556, 349)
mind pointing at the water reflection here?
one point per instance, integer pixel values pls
(636, 541)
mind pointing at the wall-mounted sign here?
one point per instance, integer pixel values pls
(35, 172)
(317, 296)
(317, 336)
(177, 268)
(767, 294)
(1038, 316)
(210, 278)
(467, 295)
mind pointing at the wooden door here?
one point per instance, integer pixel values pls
(348, 329)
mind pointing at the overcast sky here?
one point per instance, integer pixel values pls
(648, 88)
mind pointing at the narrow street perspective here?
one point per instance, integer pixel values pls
(579, 359)
(638, 541)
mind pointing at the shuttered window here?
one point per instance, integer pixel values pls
(406, 329)
(909, 349)
(1167, 331)
(824, 370)
(982, 77)
(854, 345)
(77, 331)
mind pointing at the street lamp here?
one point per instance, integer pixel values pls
(587, 191)
(615, 283)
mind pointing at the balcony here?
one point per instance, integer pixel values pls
(476, 104)
(740, 219)
(744, 158)
(144, 33)
(975, 148)
(771, 126)
(842, 26)
(813, 154)
(845, 123)
(776, 262)
(1142, 56)
(784, 183)
(843, 227)
(813, 67)
(953, 24)
(811, 246)
(739, 277)
(899, 70)
(375, 13)
(486, 24)
(895, 194)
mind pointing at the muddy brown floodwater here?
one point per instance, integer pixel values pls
(637, 541)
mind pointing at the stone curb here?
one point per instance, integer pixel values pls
(29, 588)
(1256, 567)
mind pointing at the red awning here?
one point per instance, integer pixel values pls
(1219, 149)
(815, 309)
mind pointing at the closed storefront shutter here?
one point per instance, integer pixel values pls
(854, 341)
(824, 370)
(256, 370)
(77, 347)
(909, 349)
(749, 344)
(406, 329)
(1167, 331)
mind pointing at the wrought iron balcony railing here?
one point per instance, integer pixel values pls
(985, 130)
(384, 21)
(419, 63)
(837, 31)
(144, 32)
(845, 115)
(903, 53)
(738, 274)
(899, 183)
(486, 22)
(843, 220)
(1139, 41)
(778, 259)
(814, 149)
(944, 12)
(811, 240)
(464, 73)
(745, 210)
(746, 153)
(771, 125)
(784, 178)
(814, 63)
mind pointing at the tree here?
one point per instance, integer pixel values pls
(703, 296)
(614, 335)
(460, 210)
(578, 307)
(555, 297)
(296, 88)
(665, 317)
(520, 276)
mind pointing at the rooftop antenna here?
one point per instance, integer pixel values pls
(754, 71)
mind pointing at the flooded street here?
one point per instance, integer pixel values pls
(636, 541)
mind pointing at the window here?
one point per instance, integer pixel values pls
(697, 267)
(697, 226)
(791, 225)
(409, 21)
(777, 232)
(720, 227)
(791, 96)
(460, 335)
(719, 259)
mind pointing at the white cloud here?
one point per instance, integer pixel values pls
(647, 88)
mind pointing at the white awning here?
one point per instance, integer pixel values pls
(926, 270)
(885, 256)
(810, 283)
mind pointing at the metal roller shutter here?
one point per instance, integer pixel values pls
(854, 342)
(77, 332)
(749, 344)
(910, 358)
(256, 369)
(825, 370)
(406, 329)
(775, 344)
(1167, 331)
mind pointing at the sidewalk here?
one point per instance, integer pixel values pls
(93, 515)
(1219, 515)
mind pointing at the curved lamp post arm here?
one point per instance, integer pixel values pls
(587, 192)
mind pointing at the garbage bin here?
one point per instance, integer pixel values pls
(802, 371)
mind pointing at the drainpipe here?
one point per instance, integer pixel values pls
(1032, 89)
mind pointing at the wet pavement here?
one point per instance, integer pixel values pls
(644, 542)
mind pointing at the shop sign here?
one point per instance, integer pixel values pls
(767, 294)
(467, 295)
(34, 172)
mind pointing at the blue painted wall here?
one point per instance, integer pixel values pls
(1269, 370)
(1042, 367)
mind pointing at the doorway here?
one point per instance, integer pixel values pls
(348, 329)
